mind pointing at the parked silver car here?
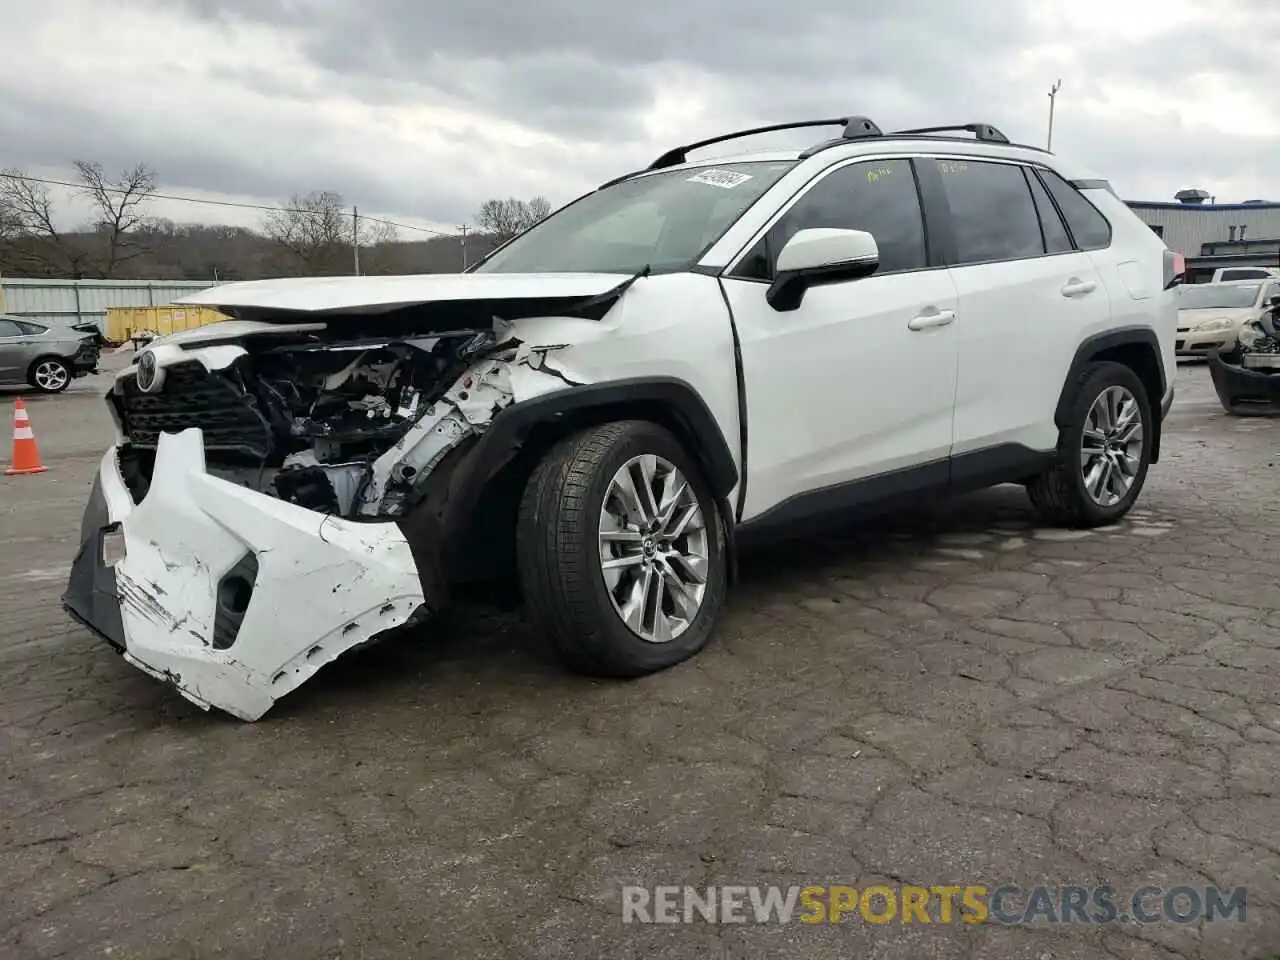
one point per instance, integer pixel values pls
(47, 358)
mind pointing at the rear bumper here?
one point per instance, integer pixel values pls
(1242, 390)
(234, 597)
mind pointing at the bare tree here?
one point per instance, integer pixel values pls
(503, 219)
(313, 228)
(31, 240)
(316, 230)
(117, 205)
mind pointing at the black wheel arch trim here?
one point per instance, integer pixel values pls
(515, 422)
(1091, 348)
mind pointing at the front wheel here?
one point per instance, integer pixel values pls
(621, 550)
(49, 375)
(1103, 452)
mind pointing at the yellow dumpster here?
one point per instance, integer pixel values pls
(124, 322)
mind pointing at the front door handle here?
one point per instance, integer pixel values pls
(1075, 287)
(931, 318)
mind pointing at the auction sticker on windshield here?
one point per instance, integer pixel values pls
(720, 178)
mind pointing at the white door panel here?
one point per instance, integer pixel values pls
(1018, 327)
(860, 380)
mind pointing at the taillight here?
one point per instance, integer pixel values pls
(1175, 269)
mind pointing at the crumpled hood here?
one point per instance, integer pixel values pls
(370, 295)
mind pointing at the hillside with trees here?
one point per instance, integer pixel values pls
(309, 234)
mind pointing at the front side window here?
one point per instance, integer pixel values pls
(992, 214)
(1218, 296)
(663, 221)
(878, 196)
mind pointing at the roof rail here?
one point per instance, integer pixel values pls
(855, 128)
(983, 131)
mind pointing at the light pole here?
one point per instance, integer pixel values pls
(355, 239)
(1053, 94)
(462, 229)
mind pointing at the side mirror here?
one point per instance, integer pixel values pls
(817, 256)
(1275, 300)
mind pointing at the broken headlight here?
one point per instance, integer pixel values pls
(1251, 335)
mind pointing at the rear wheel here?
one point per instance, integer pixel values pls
(621, 550)
(1103, 453)
(49, 375)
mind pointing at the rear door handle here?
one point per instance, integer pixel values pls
(1075, 287)
(931, 318)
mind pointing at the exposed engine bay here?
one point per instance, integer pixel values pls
(1247, 377)
(346, 428)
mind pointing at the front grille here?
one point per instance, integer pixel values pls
(194, 397)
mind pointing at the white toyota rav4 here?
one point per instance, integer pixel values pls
(694, 353)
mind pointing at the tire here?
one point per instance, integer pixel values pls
(558, 550)
(50, 375)
(1060, 494)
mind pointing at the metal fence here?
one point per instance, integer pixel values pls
(80, 301)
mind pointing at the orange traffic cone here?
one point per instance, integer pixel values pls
(26, 457)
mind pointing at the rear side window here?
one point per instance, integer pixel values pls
(1056, 238)
(992, 214)
(9, 329)
(1089, 228)
(31, 329)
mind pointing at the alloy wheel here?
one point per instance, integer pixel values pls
(51, 375)
(1111, 446)
(654, 552)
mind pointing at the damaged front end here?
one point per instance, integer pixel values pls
(281, 492)
(1247, 378)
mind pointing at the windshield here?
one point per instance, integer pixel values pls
(662, 220)
(1218, 296)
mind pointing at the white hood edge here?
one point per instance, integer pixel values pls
(383, 294)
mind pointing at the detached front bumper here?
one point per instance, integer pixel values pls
(1244, 390)
(234, 597)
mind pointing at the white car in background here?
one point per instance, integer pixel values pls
(1210, 315)
(1224, 274)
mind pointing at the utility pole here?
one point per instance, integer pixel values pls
(462, 228)
(1053, 95)
(355, 237)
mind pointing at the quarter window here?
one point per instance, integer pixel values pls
(1089, 227)
(1056, 238)
(992, 214)
(878, 196)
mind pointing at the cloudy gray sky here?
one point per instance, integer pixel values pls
(419, 110)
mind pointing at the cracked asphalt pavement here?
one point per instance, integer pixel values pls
(954, 698)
